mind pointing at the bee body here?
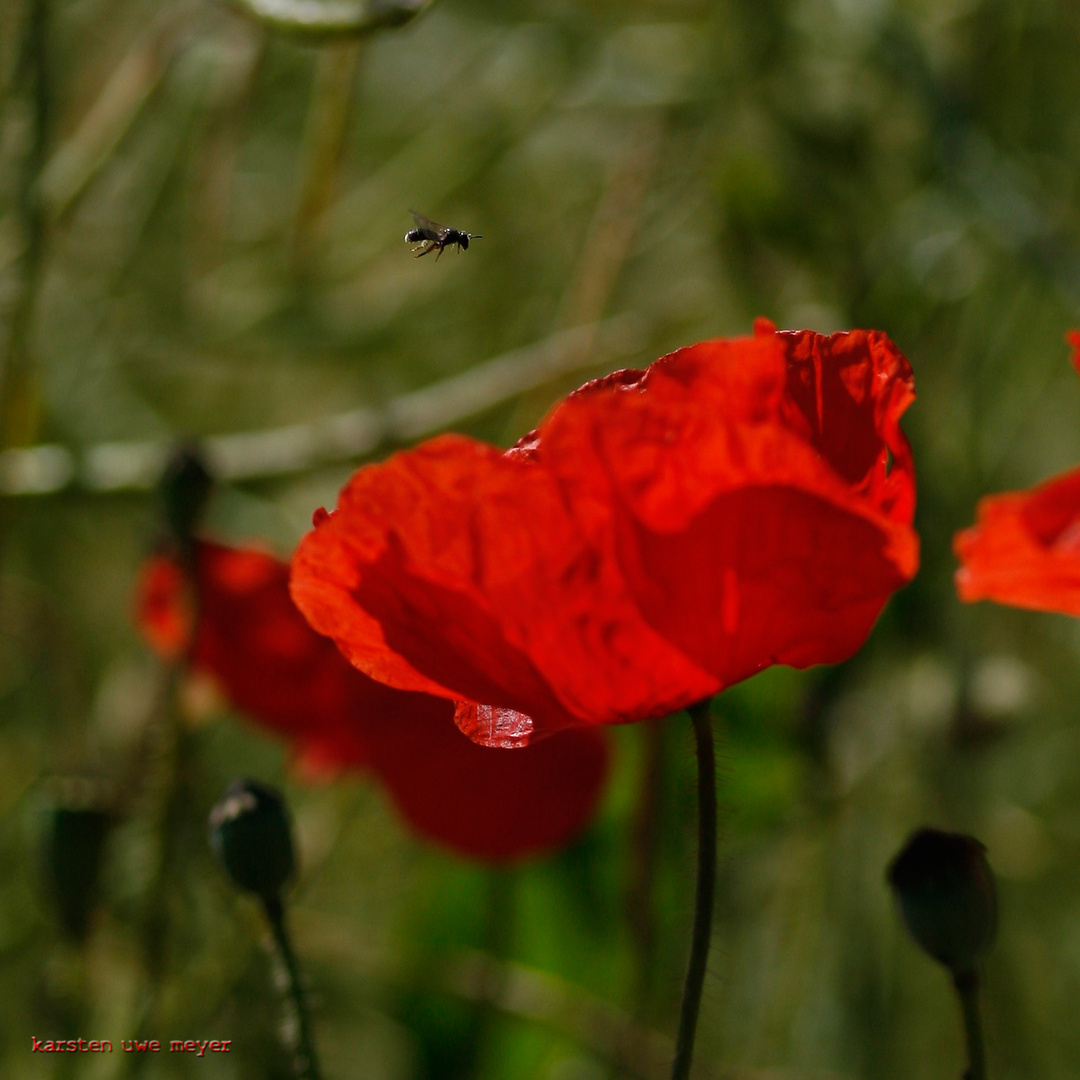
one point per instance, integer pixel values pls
(429, 236)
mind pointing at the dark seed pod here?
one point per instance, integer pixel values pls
(78, 821)
(250, 834)
(184, 488)
(947, 897)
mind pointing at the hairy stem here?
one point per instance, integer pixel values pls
(706, 891)
(307, 1064)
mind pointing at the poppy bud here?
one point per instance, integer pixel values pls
(185, 488)
(947, 896)
(250, 834)
(77, 826)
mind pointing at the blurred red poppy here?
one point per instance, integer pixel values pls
(1024, 548)
(166, 609)
(250, 638)
(662, 535)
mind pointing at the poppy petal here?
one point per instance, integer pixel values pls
(164, 610)
(1024, 548)
(852, 388)
(494, 725)
(250, 637)
(662, 534)
(489, 803)
(742, 542)
(478, 576)
(257, 647)
(1073, 338)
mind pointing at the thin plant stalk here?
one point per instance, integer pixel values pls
(501, 888)
(307, 1064)
(18, 397)
(165, 754)
(325, 136)
(967, 986)
(645, 836)
(705, 895)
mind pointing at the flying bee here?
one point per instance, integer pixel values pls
(430, 236)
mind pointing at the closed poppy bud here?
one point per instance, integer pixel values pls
(947, 896)
(250, 834)
(185, 488)
(77, 827)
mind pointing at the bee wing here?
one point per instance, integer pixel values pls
(432, 230)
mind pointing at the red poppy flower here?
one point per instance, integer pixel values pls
(662, 535)
(250, 638)
(1024, 548)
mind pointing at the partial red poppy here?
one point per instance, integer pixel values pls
(250, 638)
(1024, 548)
(166, 609)
(662, 535)
(486, 802)
(1073, 338)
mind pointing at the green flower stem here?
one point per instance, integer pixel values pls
(307, 1064)
(706, 891)
(967, 986)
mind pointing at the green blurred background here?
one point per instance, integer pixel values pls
(201, 226)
